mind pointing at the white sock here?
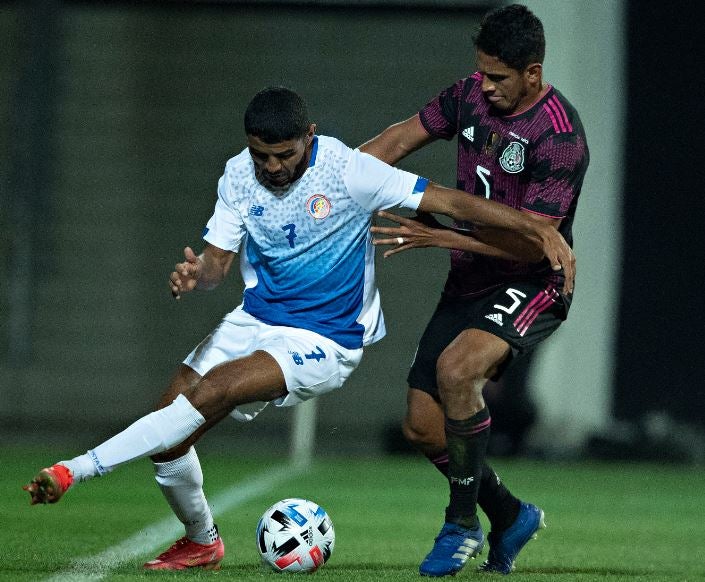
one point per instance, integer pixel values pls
(151, 434)
(81, 467)
(181, 482)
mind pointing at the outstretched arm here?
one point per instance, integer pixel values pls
(398, 141)
(204, 271)
(463, 208)
(425, 231)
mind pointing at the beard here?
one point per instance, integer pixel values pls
(283, 179)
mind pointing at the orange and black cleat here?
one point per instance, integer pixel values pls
(50, 484)
(188, 554)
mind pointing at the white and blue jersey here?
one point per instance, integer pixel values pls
(306, 253)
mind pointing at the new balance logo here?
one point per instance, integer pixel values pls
(496, 317)
(257, 211)
(469, 133)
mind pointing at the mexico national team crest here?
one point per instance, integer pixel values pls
(318, 206)
(512, 159)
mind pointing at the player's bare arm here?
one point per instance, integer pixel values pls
(461, 207)
(401, 139)
(398, 141)
(425, 231)
(204, 271)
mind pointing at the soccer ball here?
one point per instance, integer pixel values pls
(295, 535)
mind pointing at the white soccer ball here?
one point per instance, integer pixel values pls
(295, 535)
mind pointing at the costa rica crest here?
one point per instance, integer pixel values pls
(318, 206)
(512, 158)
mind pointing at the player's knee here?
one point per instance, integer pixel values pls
(457, 374)
(214, 395)
(419, 435)
(412, 436)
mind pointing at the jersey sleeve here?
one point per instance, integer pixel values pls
(375, 185)
(440, 115)
(225, 229)
(557, 173)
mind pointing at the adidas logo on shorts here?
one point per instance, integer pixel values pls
(496, 317)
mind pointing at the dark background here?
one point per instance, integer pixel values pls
(121, 116)
(660, 364)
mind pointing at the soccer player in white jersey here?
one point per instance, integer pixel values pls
(297, 207)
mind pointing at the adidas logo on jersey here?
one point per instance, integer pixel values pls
(496, 317)
(469, 133)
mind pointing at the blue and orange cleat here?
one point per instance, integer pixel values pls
(505, 547)
(50, 484)
(185, 553)
(453, 546)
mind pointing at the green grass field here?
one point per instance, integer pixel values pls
(605, 521)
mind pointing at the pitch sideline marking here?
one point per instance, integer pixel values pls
(146, 540)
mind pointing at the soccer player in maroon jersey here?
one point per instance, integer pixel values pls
(520, 143)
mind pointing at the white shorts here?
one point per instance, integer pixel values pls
(312, 364)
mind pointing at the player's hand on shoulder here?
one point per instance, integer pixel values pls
(185, 275)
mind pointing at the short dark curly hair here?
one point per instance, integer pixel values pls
(276, 114)
(514, 35)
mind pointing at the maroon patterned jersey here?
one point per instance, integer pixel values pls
(534, 161)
